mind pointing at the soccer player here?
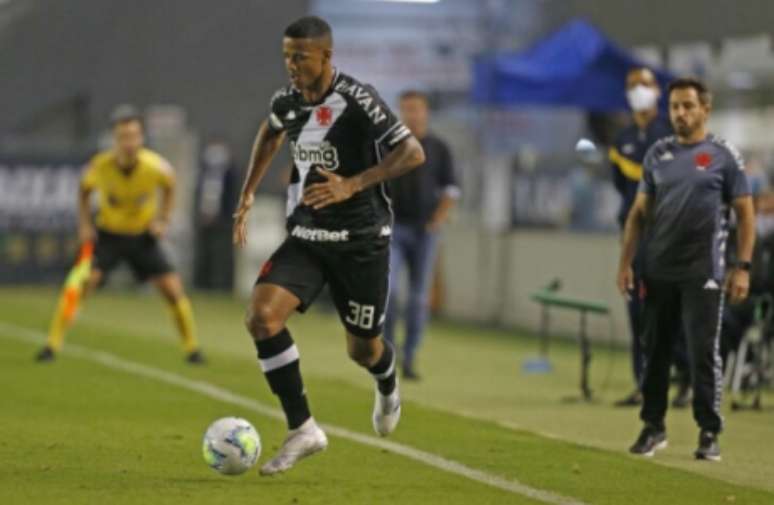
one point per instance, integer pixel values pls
(689, 182)
(345, 143)
(626, 156)
(129, 224)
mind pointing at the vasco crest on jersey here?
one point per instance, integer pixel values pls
(702, 160)
(323, 115)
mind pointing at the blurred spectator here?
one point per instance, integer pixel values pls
(584, 202)
(215, 198)
(422, 200)
(737, 319)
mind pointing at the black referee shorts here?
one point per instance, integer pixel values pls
(358, 278)
(141, 252)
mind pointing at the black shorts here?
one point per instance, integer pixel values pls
(141, 252)
(358, 279)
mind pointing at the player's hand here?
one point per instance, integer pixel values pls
(240, 220)
(737, 285)
(625, 281)
(158, 229)
(86, 233)
(334, 190)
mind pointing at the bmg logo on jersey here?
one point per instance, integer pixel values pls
(322, 153)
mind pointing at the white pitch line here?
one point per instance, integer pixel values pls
(223, 395)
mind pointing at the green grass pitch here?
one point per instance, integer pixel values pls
(79, 432)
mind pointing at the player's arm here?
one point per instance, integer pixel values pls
(86, 232)
(738, 282)
(408, 154)
(624, 169)
(165, 179)
(737, 192)
(631, 236)
(441, 212)
(167, 202)
(619, 181)
(161, 223)
(267, 143)
(451, 192)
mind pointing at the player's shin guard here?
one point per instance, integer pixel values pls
(183, 316)
(279, 360)
(384, 369)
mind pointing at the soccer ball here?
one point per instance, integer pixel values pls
(231, 445)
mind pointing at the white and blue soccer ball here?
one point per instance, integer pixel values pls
(231, 445)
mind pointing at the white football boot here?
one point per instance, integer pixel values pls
(304, 441)
(386, 411)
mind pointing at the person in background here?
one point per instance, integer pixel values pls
(216, 195)
(691, 182)
(136, 191)
(626, 157)
(421, 201)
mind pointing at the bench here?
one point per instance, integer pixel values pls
(549, 297)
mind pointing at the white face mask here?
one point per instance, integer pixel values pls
(642, 97)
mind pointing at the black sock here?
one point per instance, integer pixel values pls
(384, 370)
(278, 357)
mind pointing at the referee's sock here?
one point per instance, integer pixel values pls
(182, 313)
(279, 360)
(384, 369)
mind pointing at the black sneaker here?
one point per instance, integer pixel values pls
(631, 400)
(650, 440)
(709, 448)
(45, 355)
(410, 374)
(683, 397)
(196, 358)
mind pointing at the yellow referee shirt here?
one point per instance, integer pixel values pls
(128, 201)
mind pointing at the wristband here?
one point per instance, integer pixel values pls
(744, 265)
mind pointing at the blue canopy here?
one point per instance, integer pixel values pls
(576, 66)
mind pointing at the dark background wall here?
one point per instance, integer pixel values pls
(663, 22)
(65, 65)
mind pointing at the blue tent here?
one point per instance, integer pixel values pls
(576, 66)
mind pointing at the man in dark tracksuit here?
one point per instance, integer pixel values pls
(626, 156)
(689, 182)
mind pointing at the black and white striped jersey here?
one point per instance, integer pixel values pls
(347, 132)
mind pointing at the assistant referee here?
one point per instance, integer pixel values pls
(130, 223)
(689, 183)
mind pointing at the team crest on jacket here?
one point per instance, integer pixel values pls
(324, 115)
(702, 160)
